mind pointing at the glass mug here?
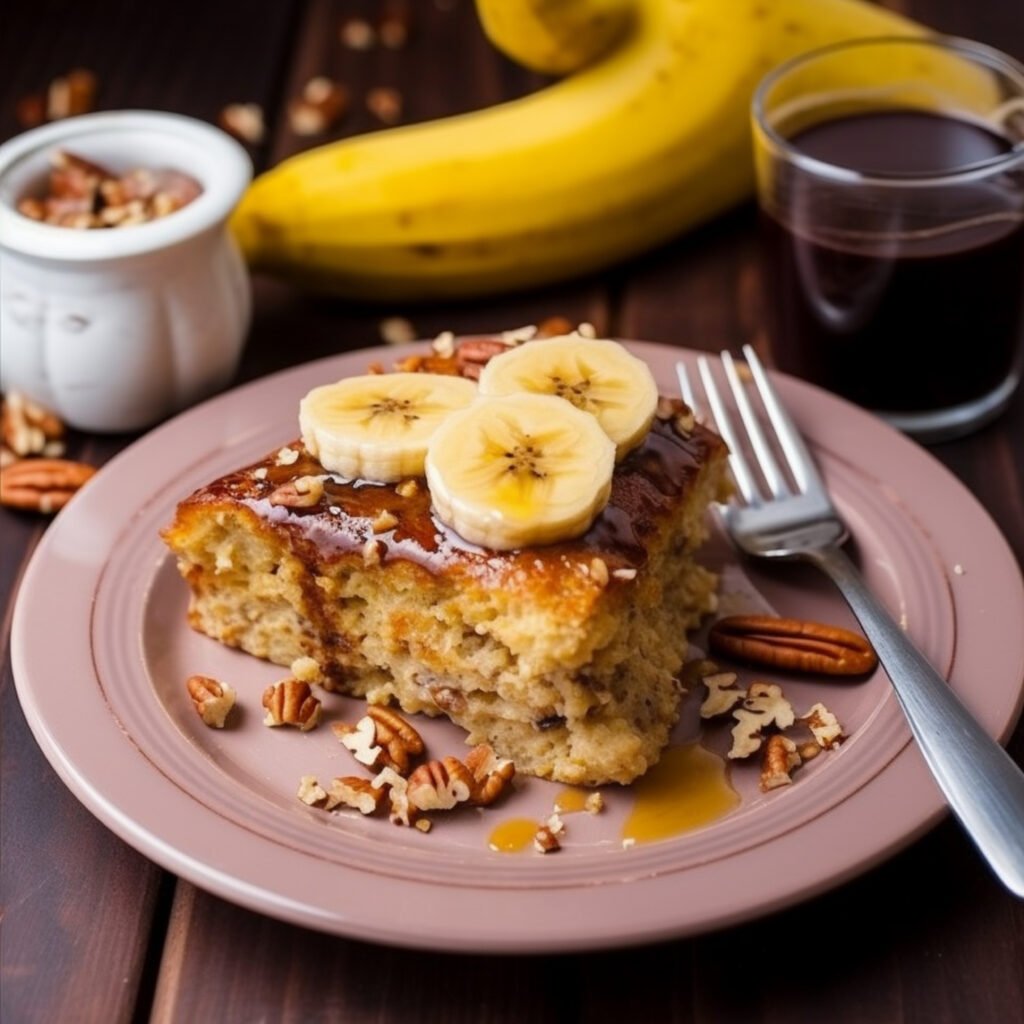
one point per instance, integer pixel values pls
(891, 188)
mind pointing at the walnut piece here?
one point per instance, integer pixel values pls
(291, 702)
(212, 700)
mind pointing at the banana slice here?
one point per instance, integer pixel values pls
(377, 427)
(597, 376)
(518, 470)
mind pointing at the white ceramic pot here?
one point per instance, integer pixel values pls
(114, 329)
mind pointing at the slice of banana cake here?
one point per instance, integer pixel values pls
(430, 575)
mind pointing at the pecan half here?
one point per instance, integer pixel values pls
(291, 702)
(440, 785)
(42, 485)
(792, 644)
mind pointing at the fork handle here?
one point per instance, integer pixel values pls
(982, 784)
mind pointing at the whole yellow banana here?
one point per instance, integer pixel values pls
(647, 141)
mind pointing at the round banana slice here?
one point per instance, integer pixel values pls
(377, 427)
(597, 376)
(519, 470)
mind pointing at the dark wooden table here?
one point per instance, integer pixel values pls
(92, 931)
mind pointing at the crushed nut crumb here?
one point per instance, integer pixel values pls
(385, 104)
(624, 574)
(407, 488)
(423, 824)
(357, 34)
(599, 572)
(594, 803)
(396, 330)
(306, 670)
(545, 841)
(287, 457)
(824, 726)
(373, 552)
(444, 345)
(311, 792)
(260, 473)
(394, 25)
(586, 330)
(384, 521)
(554, 327)
(244, 121)
(518, 335)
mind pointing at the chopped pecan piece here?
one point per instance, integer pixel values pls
(29, 429)
(381, 739)
(212, 700)
(359, 794)
(723, 694)
(780, 758)
(492, 774)
(763, 707)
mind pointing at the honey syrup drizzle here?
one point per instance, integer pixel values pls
(686, 789)
(513, 835)
(571, 800)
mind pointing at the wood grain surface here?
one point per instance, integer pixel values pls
(92, 931)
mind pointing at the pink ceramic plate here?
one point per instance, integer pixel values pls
(101, 653)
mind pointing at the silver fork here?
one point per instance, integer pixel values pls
(982, 785)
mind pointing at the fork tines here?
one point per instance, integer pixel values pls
(797, 458)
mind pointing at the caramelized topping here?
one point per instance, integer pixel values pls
(646, 486)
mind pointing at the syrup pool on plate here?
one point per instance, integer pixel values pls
(687, 789)
(513, 835)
